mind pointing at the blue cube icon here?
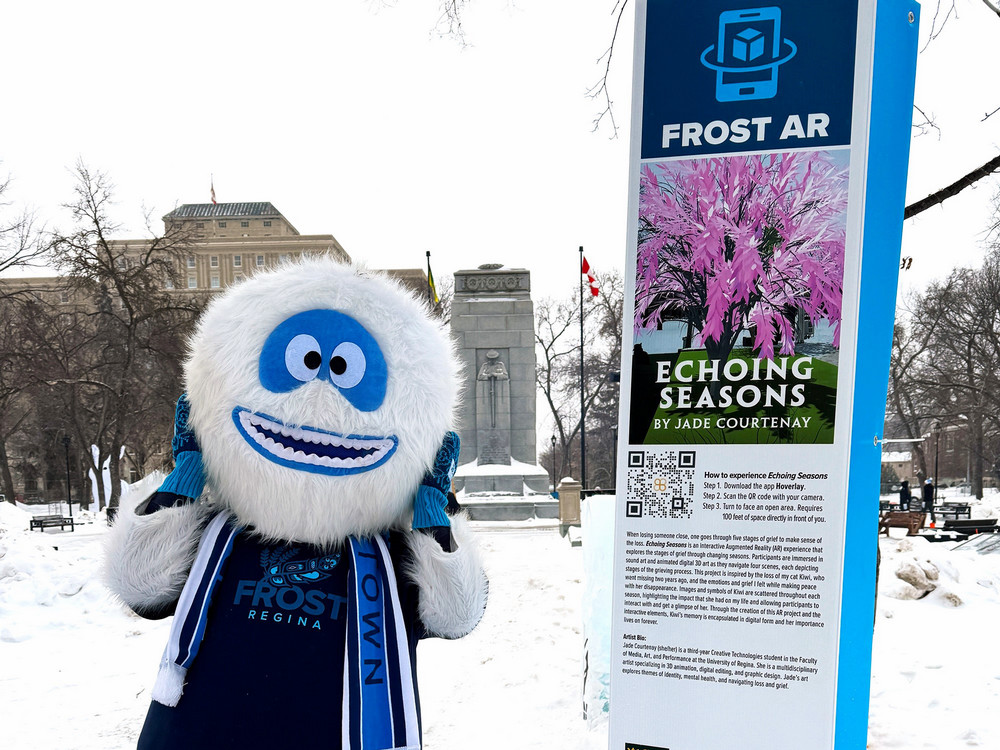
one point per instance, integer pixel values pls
(748, 45)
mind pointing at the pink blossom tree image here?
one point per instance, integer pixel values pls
(742, 242)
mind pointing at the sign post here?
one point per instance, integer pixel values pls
(769, 153)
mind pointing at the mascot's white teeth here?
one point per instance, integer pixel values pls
(309, 448)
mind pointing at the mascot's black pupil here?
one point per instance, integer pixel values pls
(312, 360)
(338, 365)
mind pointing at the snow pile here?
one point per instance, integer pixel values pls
(516, 468)
(516, 681)
(67, 645)
(12, 518)
(936, 671)
(988, 507)
(36, 580)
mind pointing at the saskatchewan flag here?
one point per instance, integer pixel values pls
(430, 283)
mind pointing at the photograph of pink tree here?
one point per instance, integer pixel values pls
(739, 286)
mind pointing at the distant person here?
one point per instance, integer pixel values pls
(905, 495)
(928, 497)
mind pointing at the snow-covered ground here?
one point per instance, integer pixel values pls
(76, 667)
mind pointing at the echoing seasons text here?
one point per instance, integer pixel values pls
(734, 371)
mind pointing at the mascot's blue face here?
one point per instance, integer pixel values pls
(332, 347)
(319, 396)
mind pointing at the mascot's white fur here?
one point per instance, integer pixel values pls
(319, 396)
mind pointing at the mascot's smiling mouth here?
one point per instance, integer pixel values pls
(312, 449)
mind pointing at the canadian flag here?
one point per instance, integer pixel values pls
(589, 273)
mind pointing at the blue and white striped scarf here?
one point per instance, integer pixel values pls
(379, 704)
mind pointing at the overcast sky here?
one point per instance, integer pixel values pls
(956, 84)
(354, 118)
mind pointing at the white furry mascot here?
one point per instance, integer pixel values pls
(319, 402)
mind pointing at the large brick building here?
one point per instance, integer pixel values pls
(223, 243)
(229, 241)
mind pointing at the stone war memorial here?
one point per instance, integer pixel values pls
(493, 324)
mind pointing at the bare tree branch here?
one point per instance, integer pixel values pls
(935, 28)
(953, 189)
(927, 125)
(600, 89)
(450, 21)
(988, 115)
(20, 243)
(992, 6)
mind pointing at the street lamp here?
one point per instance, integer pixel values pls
(553, 441)
(937, 446)
(69, 496)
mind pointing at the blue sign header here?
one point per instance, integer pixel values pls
(747, 78)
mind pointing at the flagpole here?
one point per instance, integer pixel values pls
(583, 408)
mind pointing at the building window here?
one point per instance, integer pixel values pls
(267, 223)
(213, 261)
(199, 225)
(192, 282)
(260, 260)
(168, 284)
(64, 297)
(283, 258)
(215, 282)
(237, 278)
(237, 261)
(222, 225)
(244, 224)
(190, 261)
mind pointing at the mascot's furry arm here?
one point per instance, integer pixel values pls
(445, 563)
(155, 539)
(148, 557)
(451, 584)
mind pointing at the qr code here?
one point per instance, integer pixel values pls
(660, 484)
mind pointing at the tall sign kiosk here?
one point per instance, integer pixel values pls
(769, 154)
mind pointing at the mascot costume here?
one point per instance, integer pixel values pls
(318, 407)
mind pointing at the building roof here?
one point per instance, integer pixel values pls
(222, 210)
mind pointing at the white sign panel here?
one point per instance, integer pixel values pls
(751, 391)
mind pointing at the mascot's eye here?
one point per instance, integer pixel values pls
(325, 345)
(347, 365)
(303, 358)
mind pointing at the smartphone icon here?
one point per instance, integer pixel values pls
(747, 54)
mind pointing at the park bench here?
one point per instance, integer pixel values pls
(955, 511)
(45, 522)
(972, 526)
(50, 520)
(911, 520)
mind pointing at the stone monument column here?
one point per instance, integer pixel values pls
(492, 321)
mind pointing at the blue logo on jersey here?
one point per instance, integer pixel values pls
(284, 572)
(284, 593)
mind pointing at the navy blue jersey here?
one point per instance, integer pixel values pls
(270, 668)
